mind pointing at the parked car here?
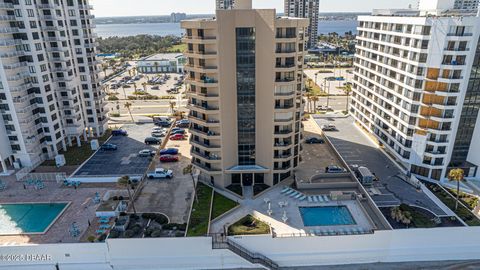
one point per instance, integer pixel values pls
(314, 140)
(334, 169)
(152, 140)
(329, 127)
(169, 151)
(184, 123)
(146, 153)
(109, 147)
(178, 131)
(158, 134)
(160, 173)
(168, 158)
(177, 137)
(159, 129)
(324, 108)
(119, 132)
(155, 88)
(163, 123)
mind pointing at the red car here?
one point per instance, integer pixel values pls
(177, 137)
(168, 158)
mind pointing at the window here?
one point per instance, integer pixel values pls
(30, 13)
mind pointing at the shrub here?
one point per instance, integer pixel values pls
(132, 98)
(114, 115)
(114, 234)
(156, 233)
(128, 234)
(112, 98)
(102, 237)
(148, 232)
(161, 219)
(91, 238)
(120, 198)
(179, 234)
(122, 214)
(134, 216)
(167, 97)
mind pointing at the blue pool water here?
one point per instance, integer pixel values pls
(326, 216)
(29, 217)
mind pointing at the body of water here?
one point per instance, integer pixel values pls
(164, 29)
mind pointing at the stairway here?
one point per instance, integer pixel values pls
(220, 241)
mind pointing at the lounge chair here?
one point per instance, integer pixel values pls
(317, 232)
(294, 194)
(314, 198)
(298, 196)
(320, 199)
(104, 220)
(355, 231)
(310, 200)
(324, 232)
(290, 192)
(99, 231)
(104, 226)
(302, 198)
(325, 198)
(331, 232)
(285, 189)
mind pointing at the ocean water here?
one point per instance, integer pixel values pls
(163, 29)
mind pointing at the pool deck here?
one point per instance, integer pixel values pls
(81, 209)
(294, 225)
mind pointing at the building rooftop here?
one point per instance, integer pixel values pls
(163, 57)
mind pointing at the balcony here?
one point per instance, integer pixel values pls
(207, 134)
(204, 121)
(206, 82)
(206, 169)
(283, 156)
(203, 109)
(201, 54)
(283, 120)
(209, 158)
(201, 69)
(203, 96)
(284, 94)
(203, 145)
(200, 39)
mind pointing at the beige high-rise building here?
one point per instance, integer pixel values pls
(245, 86)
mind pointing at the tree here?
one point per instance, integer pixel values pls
(315, 99)
(124, 93)
(128, 105)
(172, 107)
(144, 84)
(189, 170)
(456, 175)
(104, 69)
(404, 217)
(348, 90)
(309, 96)
(130, 72)
(127, 183)
(135, 89)
(134, 70)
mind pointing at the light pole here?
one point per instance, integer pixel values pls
(328, 95)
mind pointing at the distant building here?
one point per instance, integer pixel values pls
(225, 4)
(177, 17)
(162, 63)
(466, 4)
(305, 9)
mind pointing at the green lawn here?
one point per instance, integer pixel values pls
(75, 155)
(462, 212)
(198, 225)
(177, 48)
(249, 226)
(221, 204)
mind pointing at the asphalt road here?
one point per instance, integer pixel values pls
(356, 148)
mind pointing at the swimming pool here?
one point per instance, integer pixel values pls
(29, 218)
(326, 216)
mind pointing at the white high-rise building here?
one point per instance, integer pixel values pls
(225, 4)
(417, 88)
(50, 95)
(305, 9)
(466, 4)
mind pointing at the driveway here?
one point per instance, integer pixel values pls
(172, 197)
(356, 148)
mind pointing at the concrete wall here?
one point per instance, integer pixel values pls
(197, 253)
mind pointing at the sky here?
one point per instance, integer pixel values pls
(114, 8)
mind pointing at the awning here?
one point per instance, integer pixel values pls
(247, 169)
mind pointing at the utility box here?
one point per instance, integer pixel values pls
(60, 160)
(94, 144)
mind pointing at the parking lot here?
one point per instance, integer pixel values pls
(356, 148)
(315, 156)
(171, 197)
(124, 160)
(333, 86)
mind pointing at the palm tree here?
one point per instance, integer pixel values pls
(348, 90)
(144, 84)
(189, 170)
(135, 90)
(130, 72)
(127, 183)
(315, 99)
(124, 93)
(134, 70)
(104, 69)
(128, 105)
(172, 107)
(309, 96)
(456, 175)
